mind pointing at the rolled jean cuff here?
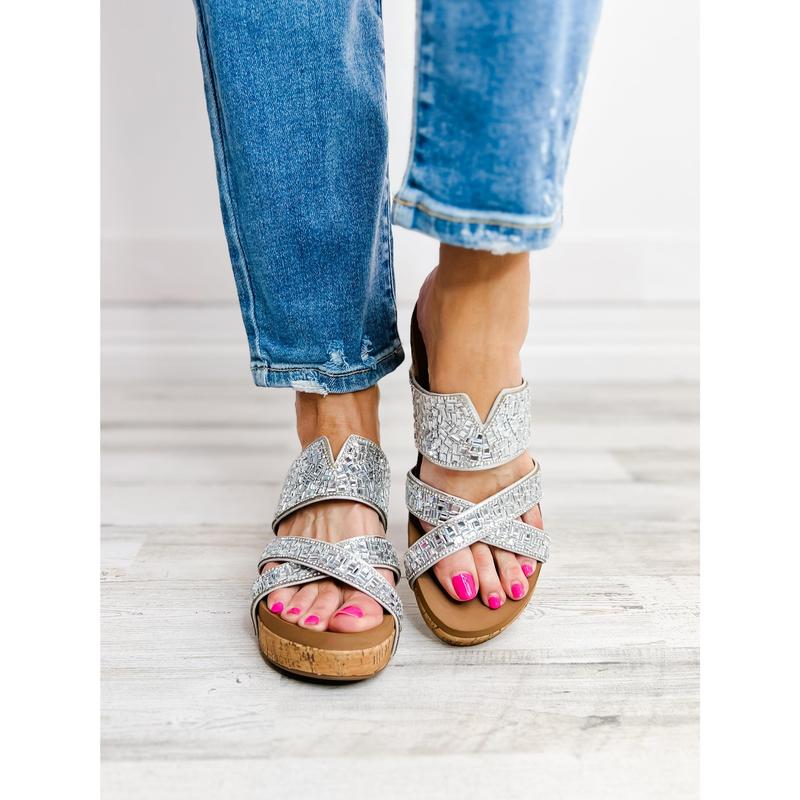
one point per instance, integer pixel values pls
(321, 379)
(497, 232)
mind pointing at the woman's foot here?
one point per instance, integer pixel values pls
(327, 604)
(473, 315)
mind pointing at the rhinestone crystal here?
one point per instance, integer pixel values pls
(360, 472)
(449, 432)
(460, 523)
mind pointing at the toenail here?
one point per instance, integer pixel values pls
(276, 608)
(464, 586)
(494, 601)
(517, 590)
(527, 570)
(312, 619)
(294, 610)
(351, 611)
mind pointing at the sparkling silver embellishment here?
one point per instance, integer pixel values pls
(460, 523)
(360, 472)
(351, 561)
(449, 432)
(375, 550)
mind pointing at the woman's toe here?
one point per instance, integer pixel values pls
(278, 600)
(295, 610)
(491, 590)
(512, 578)
(320, 611)
(358, 611)
(458, 575)
(281, 599)
(527, 565)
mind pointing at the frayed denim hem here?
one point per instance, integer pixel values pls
(321, 380)
(497, 232)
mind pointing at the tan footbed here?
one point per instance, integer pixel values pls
(453, 621)
(324, 655)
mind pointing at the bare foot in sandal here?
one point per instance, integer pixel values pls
(328, 604)
(473, 316)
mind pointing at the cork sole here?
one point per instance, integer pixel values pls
(324, 655)
(463, 624)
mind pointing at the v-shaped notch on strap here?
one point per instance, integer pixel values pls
(449, 432)
(359, 472)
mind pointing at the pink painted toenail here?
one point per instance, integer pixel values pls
(527, 570)
(294, 610)
(312, 619)
(351, 611)
(494, 601)
(276, 608)
(517, 590)
(464, 585)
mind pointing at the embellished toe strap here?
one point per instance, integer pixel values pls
(460, 523)
(359, 472)
(352, 561)
(448, 430)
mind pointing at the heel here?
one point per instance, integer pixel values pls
(419, 355)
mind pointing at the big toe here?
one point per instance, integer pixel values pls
(358, 611)
(458, 575)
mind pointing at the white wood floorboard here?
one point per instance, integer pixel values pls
(583, 343)
(592, 694)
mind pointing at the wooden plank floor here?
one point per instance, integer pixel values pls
(593, 693)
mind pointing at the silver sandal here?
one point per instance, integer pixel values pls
(448, 431)
(360, 472)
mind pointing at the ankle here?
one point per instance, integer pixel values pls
(473, 315)
(460, 266)
(337, 416)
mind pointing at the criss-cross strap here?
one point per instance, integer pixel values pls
(448, 430)
(460, 523)
(359, 472)
(352, 561)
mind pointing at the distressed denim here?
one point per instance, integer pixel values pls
(297, 103)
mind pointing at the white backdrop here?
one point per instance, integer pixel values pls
(631, 212)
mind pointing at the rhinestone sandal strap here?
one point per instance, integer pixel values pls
(360, 472)
(430, 504)
(281, 576)
(311, 559)
(435, 507)
(461, 523)
(448, 430)
(520, 538)
(375, 550)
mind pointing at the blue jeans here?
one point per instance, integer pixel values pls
(297, 104)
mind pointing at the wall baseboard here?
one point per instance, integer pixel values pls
(196, 270)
